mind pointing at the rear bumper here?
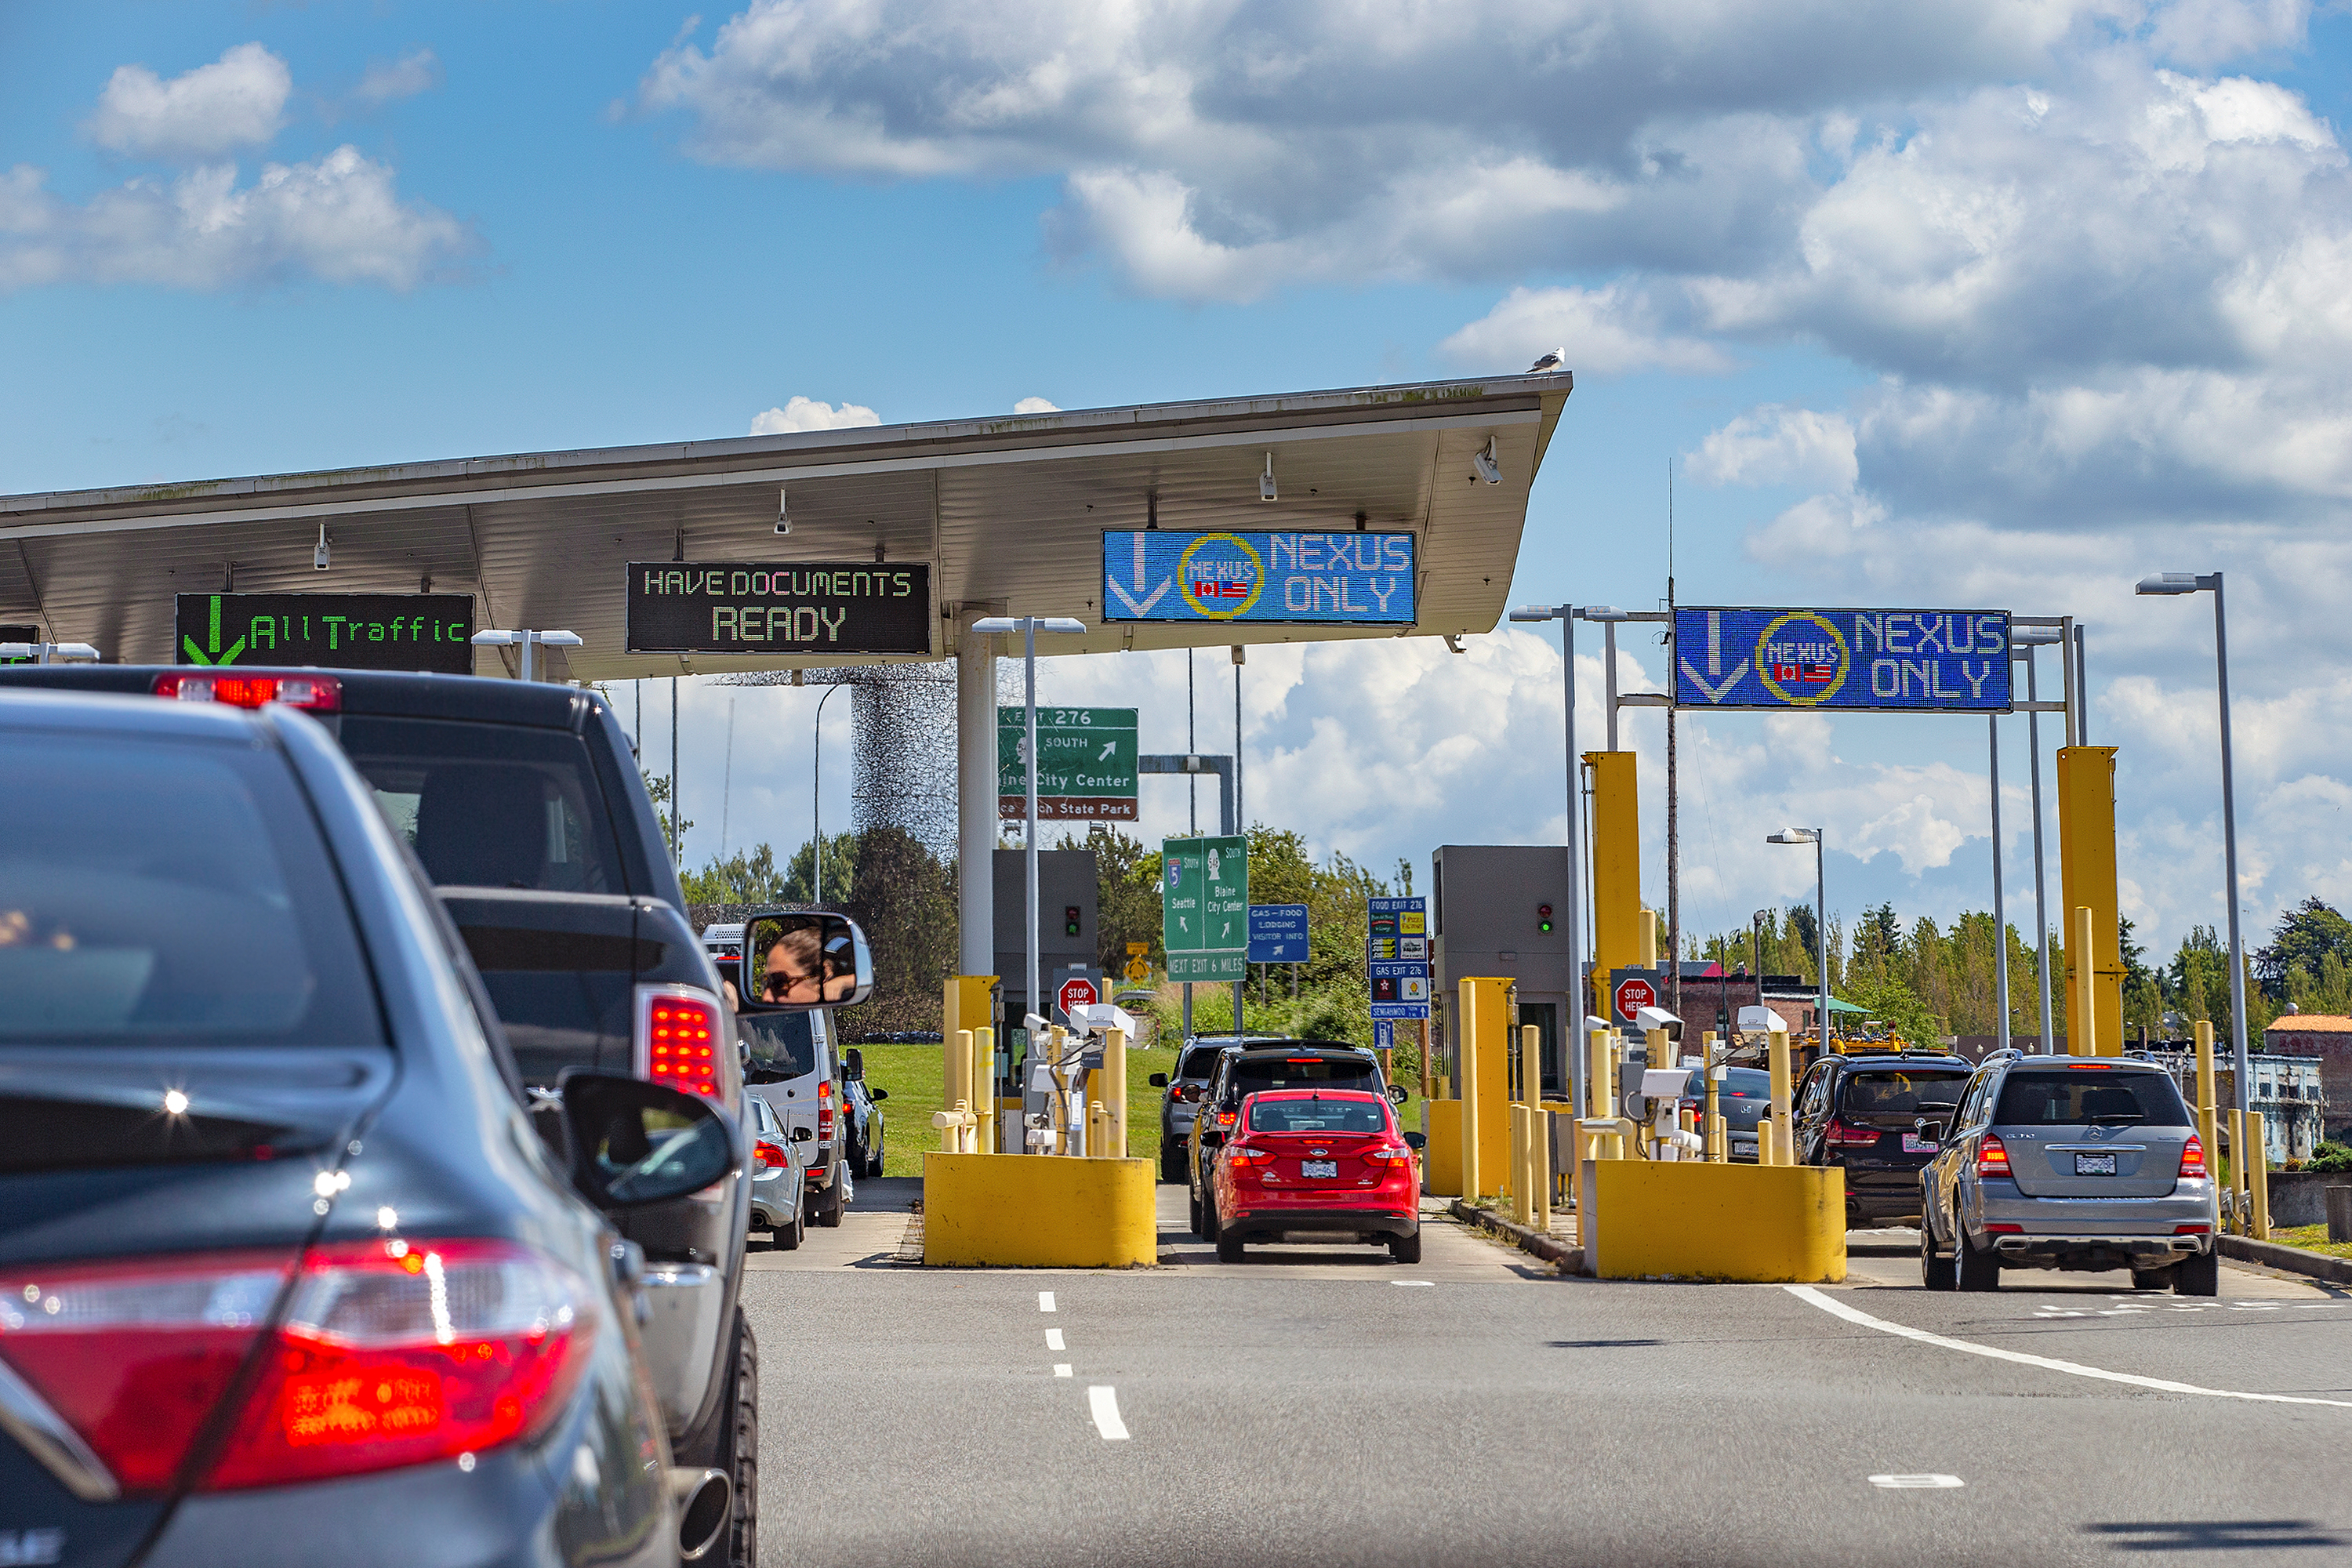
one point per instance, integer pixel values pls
(775, 1194)
(1265, 1222)
(2092, 1233)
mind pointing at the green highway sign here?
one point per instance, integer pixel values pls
(1086, 763)
(1205, 908)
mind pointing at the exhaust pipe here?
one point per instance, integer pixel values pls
(705, 1501)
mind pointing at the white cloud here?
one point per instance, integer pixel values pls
(1776, 445)
(806, 414)
(1035, 406)
(388, 81)
(1607, 332)
(240, 100)
(337, 218)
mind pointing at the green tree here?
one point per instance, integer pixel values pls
(903, 896)
(840, 871)
(2306, 935)
(1895, 1005)
(741, 878)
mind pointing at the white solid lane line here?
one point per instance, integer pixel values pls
(1045, 1301)
(2163, 1386)
(1915, 1483)
(1053, 1339)
(1061, 1369)
(1105, 1401)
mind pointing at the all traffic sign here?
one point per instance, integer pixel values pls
(1634, 994)
(1076, 992)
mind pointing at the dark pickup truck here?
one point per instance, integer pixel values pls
(525, 805)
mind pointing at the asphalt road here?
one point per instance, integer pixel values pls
(1331, 1407)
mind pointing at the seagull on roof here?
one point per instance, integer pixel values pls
(1554, 360)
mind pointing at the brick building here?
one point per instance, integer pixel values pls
(2328, 1038)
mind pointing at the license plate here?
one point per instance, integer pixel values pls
(1915, 1144)
(2094, 1164)
(1319, 1167)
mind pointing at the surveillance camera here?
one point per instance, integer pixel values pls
(1650, 1018)
(784, 512)
(319, 556)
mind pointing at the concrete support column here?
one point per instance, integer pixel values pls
(975, 802)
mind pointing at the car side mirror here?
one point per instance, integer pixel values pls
(1930, 1128)
(879, 1093)
(853, 1061)
(1416, 1140)
(804, 1134)
(1211, 1140)
(1396, 1094)
(636, 1143)
(799, 960)
(1158, 1080)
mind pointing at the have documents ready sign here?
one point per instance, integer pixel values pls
(778, 606)
(1205, 908)
(1086, 765)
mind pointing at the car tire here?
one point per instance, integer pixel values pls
(1405, 1248)
(1193, 1201)
(742, 1459)
(2199, 1274)
(788, 1237)
(1979, 1267)
(1936, 1272)
(1229, 1248)
(1171, 1163)
(1210, 1229)
(873, 1171)
(828, 1203)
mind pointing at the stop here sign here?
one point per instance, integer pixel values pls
(1075, 991)
(1634, 994)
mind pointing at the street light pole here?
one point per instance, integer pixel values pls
(2176, 583)
(816, 806)
(1815, 836)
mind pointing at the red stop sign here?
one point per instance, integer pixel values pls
(1077, 993)
(1634, 994)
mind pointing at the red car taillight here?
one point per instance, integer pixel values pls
(1843, 1137)
(1389, 1156)
(1247, 1156)
(393, 1352)
(679, 1039)
(2192, 1158)
(825, 1107)
(1992, 1156)
(1226, 1118)
(314, 693)
(770, 1156)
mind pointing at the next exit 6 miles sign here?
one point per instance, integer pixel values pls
(1205, 908)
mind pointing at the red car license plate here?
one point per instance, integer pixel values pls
(1319, 1167)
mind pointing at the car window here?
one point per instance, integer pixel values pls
(1898, 1092)
(170, 894)
(1811, 1097)
(1197, 1062)
(1245, 1075)
(2075, 1096)
(1318, 1115)
(491, 806)
(1972, 1103)
(780, 1043)
(1739, 1083)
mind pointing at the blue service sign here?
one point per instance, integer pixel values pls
(1344, 578)
(1950, 662)
(1277, 934)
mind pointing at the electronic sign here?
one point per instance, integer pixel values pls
(432, 632)
(1326, 578)
(1912, 662)
(778, 606)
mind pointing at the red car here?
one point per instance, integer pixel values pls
(1304, 1159)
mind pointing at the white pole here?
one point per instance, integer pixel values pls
(2040, 884)
(1579, 995)
(1822, 926)
(1999, 910)
(976, 803)
(2229, 855)
(1035, 1002)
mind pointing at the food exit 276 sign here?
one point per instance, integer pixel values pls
(1950, 662)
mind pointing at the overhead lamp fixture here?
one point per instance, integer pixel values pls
(2166, 582)
(2034, 637)
(783, 511)
(1452, 641)
(1483, 461)
(526, 640)
(1266, 490)
(321, 555)
(1605, 613)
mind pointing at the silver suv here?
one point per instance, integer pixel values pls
(2073, 1163)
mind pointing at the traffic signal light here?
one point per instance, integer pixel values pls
(1543, 917)
(1069, 920)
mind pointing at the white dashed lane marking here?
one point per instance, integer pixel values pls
(1061, 1369)
(1053, 1339)
(1104, 1400)
(1915, 1483)
(1045, 1301)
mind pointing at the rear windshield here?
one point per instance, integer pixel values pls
(1899, 1093)
(1197, 1062)
(163, 894)
(782, 1044)
(1318, 1116)
(1280, 1072)
(1740, 1083)
(491, 806)
(2077, 1097)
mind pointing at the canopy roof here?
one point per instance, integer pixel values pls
(1008, 512)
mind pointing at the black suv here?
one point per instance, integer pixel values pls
(1244, 1068)
(1861, 1112)
(525, 804)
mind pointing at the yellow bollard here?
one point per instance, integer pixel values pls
(1783, 1145)
(1715, 1150)
(959, 1089)
(954, 1129)
(1465, 1035)
(2240, 1194)
(2205, 1130)
(984, 1070)
(1599, 1086)
(1113, 1071)
(1719, 1131)
(1539, 1167)
(2258, 1170)
(2082, 993)
(1515, 1182)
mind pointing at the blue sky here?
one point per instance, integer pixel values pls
(1994, 303)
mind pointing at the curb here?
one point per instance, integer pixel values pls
(2293, 1259)
(1570, 1260)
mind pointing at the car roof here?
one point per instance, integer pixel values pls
(1315, 1094)
(1905, 1058)
(375, 693)
(128, 715)
(1295, 1047)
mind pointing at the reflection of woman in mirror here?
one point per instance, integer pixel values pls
(840, 969)
(797, 968)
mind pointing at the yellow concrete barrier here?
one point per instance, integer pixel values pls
(1038, 1212)
(1441, 1163)
(1686, 1219)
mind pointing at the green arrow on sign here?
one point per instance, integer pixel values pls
(197, 655)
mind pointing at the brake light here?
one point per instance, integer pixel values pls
(1226, 1118)
(1389, 1156)
(313, 693)
(1843, 1136)
(1992, 1156)
(393, 1352)
(1249, 1156)
(1998, 1229)
(770, 1156)
(2193, 1160)
(2192, 1230)
(825, 1107)
(679, 1039)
